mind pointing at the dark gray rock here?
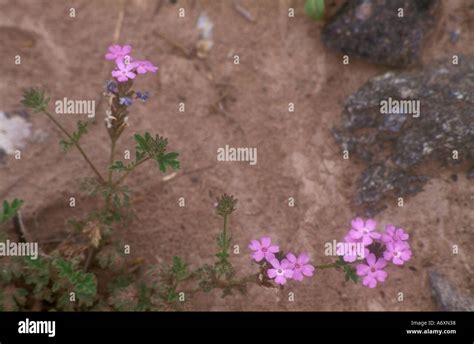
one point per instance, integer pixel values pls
(393, 145)
(372, 30)
(446, 296)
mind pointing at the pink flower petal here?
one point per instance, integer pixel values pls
(370, 224)
(291, 258)
(380, 264)
(362, 269)
(258, 256)
(369, 282)
(273, 249)
(303, 259)
(254, 245)
(397, 261)
(271, 273)
(367, 240)
(380, 275)
(358, 223)
(269, 256)
(371, 259)
(131, 75)
(126, 49)
(266, 241)
(297, 276)
(284, 264)
(275, 263)
(406, 255)
(308, 270)
(375, 235)
(280, 280)
(110, 56)
(349, 259)
(355, 234)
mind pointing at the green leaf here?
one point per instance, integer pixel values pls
(9, 210)
(169, 159)
(20, 296)
(350, 273)
(35, 99)
(84, 284)
(179, 268)
(119, 166)
(314, 9)
(76, 136)
(155, 148)
(141, 142)
(37, 274)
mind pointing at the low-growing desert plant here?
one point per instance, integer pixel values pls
(89, 270)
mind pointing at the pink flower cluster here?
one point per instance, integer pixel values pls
(126, 66)
(290, 267)
(394, 244)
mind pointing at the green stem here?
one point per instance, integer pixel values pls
(122, 178)
(111, 160)
(78, 146)
(109, 177)
(326, 266)
(224, 235)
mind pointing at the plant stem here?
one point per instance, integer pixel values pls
(224, 236)
(78, 146)
(326, 266)
(122, 178)
(224, 284)
(109, 177)
(111, 160)
(107, 201)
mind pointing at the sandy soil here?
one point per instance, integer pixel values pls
(281, 60)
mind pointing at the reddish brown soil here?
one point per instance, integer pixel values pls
(281, 60)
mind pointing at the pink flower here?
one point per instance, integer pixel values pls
(398, 252)
(350, 258)
(263, 249)
(281, 271)
(364, 231)
(373, 271)
(300, 266)
(393, 234)
(118, 53)
(124, 71)
(145, 66)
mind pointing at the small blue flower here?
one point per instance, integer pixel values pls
(142, 96)
(127, 101)
(110, 86)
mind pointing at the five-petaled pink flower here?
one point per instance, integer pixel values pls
(263, 249)
(280, 271)
(372, 271)
(118, 53)
(300, 266)
(364, 231)
(398, 252)
(124, 71)
(145, 66)
(393, 234)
